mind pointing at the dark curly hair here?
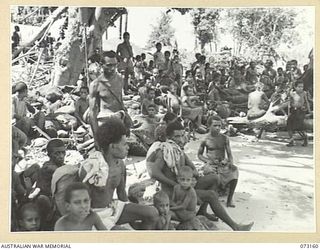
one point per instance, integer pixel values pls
(110, 131)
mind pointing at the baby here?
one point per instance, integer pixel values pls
(79, 215)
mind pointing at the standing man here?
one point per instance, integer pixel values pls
(125, 55)
(105, 93)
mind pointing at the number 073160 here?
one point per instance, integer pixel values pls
(306, 245)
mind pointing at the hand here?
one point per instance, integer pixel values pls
(125, 60)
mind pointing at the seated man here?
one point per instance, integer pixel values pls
(257, 102)
(112, 140)
(163, 159)
(216, 145)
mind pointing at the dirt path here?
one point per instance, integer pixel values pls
(276, 183)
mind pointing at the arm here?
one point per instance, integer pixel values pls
(189, 163)
(98, 224)
(228, 149)
(121, 189)
(307, 102)
(155, 164)
(59, 226)
(77, 113)
(201, 157)
(185, 203)
(93, 107)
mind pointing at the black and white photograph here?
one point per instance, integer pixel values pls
(162, 119)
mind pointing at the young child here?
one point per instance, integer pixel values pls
(216, 144)
(162, 203)
(29, 217)
(80, 217)
(82, 104)
(56, 152)
(184, 197)
(299, 105)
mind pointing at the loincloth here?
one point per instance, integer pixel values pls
(111, 214)
(223, 171)
(295, 120)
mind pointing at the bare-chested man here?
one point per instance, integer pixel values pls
(216, 145)
(105, 94)
(112, 141)
(257, 102)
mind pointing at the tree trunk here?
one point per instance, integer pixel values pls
(91, 20)
(55, 15)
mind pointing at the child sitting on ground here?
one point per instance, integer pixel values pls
(162, 203)
(299, 105)
(80, 217)
(184, 197)
(29, 217)
(82, 104)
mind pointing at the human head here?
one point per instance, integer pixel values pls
(252, 64)
(152, 110)
(158, 46)
(111, 137)
(197, 55)
(305, 67)
(151, 93)
(22, 89)
(143, 56)
(161, 202)
(169, 117)
(298, 86)
(109, 63)
(174, 88)
(29, 217)
(151, 63)
(155, 72)
(198, 73)
(268, 63)
(56, 151)
(136, 192)
(280, 71)
(202, 59)
(185, 177)
(294, 64)
(175, 131)
(214, 124)
(77, 200)
(126, 36)
(84, 91)
(167, 54)
(16, 28)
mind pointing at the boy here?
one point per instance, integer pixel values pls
(299, 105)
(158, 57)
(80, 217)
(216, 144)
(184, 197)
(29, 217)
(162, 203)
(82, 104)
(56, 152)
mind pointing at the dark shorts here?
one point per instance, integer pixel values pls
(295, 120)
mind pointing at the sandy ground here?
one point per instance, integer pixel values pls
(276, 183)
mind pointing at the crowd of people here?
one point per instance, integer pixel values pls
(173, 98)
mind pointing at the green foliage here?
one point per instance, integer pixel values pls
(205, 24)
(263, 29)
(162, 32)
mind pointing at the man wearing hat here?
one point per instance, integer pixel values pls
(56, 152)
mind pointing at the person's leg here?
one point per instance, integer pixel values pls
(212, 198)
(133, 212)
(232, 187)
(304, 137)
(291, 140)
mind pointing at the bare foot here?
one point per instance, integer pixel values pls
(244, 227)
(230, 204)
